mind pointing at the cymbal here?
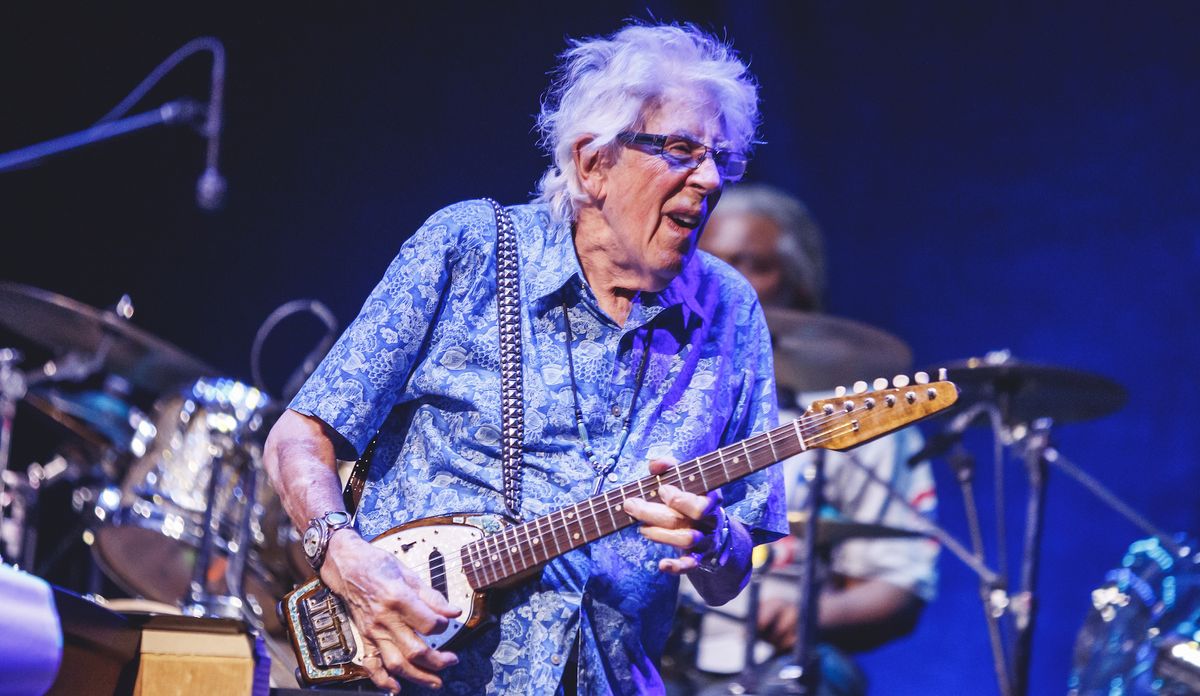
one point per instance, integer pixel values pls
(817, 352)
(97, 416)
(834, 530)
(64, 326)
(1025, 392)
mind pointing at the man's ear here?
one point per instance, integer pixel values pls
(590, 165)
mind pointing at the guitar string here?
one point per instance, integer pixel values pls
(813, 426)
(497, 557)
(684, 470)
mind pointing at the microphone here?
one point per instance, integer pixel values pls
(944, 441)
(210, 188)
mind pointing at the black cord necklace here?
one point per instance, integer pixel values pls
(603, 467)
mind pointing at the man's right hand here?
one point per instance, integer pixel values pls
(389, 604)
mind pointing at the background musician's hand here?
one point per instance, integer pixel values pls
(777, 619)
(683, 520)
(388, 603)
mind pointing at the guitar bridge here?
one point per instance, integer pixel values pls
(327, 629)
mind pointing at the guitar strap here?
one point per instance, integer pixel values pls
(512, 398)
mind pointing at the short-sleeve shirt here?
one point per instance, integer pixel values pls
(420, 366)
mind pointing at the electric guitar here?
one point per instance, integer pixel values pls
(463, 556)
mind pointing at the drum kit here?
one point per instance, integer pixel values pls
(163, 459)
(1020, 401)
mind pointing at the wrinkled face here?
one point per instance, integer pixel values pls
(750, 243)
(655, 208)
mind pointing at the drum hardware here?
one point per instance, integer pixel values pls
(1021, 402)
(816, 352)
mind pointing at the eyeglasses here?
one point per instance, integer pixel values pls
(685, 152)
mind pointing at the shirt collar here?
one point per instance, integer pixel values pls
(550, 261)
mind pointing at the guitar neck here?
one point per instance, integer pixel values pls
(520, 548)
(833, 424)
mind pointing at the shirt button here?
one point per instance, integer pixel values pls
(612, 478)
(555, 659)
(615, 410)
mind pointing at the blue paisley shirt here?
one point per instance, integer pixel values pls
(420, 365)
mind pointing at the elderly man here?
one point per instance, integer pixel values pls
(636, 353)
(878, 587)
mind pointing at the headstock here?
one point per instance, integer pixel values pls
(871, 410)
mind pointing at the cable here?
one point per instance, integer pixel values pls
(204, 43)
(309, 363)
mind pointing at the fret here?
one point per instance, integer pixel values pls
(534, 535)
(591, 503)
(799, 435)
(749, 457)
(532, 542)
(609, 506)
(574, 538)
(554, 528)
(721, 458)
(500, 553)
(771, 441)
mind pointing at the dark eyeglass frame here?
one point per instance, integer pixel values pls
(731, 164)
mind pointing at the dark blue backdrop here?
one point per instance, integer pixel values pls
(990, 175)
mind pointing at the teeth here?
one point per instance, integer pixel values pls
(685, 220)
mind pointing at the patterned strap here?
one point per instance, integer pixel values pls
(512, 398)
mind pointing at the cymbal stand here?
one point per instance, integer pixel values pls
(802, 675)
(963, 464)
(1034, 442)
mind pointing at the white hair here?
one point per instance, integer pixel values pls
(606, 85)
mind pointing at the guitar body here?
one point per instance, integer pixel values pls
(328, 646)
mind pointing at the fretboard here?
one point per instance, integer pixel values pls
(520, 548)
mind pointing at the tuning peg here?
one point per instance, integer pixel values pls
(942, 377)
(900, 381)
(921, 378)
(860, 387)
(880, 383)
(839, 392)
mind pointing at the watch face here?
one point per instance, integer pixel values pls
(312, 542)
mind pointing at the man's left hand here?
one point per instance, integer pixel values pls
(683, 520)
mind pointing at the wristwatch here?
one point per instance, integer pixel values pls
(316, 538)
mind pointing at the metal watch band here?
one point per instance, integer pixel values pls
(325, 527)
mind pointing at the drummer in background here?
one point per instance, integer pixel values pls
(877, 588)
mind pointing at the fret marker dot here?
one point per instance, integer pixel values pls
(494, 556)
(576, 535)
(652, 494)
(536, 541)
(692, 477)
(513, 550)
(570, 515)
(617, 507)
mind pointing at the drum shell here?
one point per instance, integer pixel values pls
(147, 532)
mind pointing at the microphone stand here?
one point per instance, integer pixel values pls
(184, 111)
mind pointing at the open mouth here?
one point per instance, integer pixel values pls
(685, 220)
